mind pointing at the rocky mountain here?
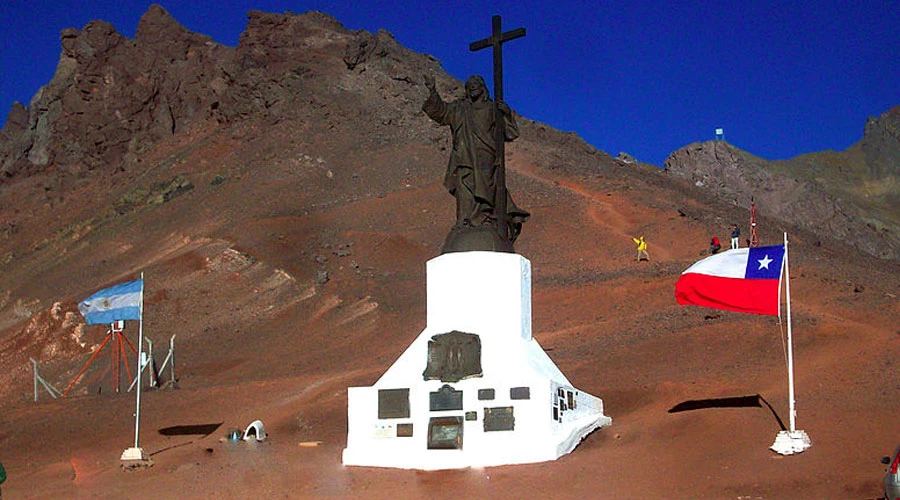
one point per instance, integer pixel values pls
(112, 99)
(171, 143)
(281, 199)
(849, 196)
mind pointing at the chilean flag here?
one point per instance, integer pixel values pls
(744, 280)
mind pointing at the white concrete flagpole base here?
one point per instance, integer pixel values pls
(519, 409)
(134, 454)
(790, 442)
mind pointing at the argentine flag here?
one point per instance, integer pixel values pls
(115, 303)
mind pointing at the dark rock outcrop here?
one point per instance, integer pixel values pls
(111, 97)
(848, 196)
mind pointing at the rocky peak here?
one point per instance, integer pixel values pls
(885, 128)
(880, 145)
(718, 167)
(112, 97)
(799, 192)
(93, 41)
(16, 120)
(158, 31)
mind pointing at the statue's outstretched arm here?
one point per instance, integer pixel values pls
(434, 106)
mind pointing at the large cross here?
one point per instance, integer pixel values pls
(496, 40)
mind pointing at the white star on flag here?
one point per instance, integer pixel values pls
(764, 262)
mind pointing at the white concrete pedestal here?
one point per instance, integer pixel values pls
(521, 409)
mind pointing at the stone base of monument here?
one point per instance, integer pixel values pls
(474, 389)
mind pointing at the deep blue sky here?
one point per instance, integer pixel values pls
(643, 77)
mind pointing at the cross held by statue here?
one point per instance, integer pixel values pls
(496, 41)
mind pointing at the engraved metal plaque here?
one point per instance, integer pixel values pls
(499, 419)
(471, 415)
(446, 398)
(453, 357)
(393, 403)
(520, 393)
(445, 433)
(485, 394)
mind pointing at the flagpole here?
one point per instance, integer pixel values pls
(793, 440)
(137, 453)
(137, 412)
(790, 342)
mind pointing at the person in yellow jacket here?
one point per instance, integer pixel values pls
(641, 248)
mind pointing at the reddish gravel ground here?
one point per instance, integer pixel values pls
(236, 271)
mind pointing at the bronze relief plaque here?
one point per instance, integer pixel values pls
(446, 398)
(393, 403)
(445, 433)
(499, 419)
(520, 393)
(453, 357)
(485, 394)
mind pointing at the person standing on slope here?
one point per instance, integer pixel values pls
(641, 248)
(735, 236)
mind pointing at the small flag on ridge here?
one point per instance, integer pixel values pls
(744, 280)
(119, 302)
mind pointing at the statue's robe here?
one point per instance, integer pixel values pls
(472, 167)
